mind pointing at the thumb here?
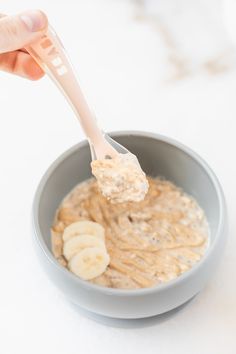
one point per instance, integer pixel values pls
(20, 30)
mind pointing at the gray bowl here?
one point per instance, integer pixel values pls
(159, 156)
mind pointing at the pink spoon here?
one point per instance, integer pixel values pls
(51, 56)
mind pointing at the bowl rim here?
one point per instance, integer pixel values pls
(131, 292)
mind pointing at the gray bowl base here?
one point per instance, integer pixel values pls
(132, 323)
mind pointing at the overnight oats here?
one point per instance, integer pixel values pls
(129, 245)
(121, 178)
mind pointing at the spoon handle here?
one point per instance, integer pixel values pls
(50, 54)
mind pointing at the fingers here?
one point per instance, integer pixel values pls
(20, 63)
(16, 32)
(20, 30)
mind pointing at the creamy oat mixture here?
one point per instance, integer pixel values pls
(149, 242)
(120, 179)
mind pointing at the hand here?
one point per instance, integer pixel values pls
(15, 33)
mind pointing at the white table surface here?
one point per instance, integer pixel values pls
(122, 62)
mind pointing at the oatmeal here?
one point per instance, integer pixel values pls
(120, 179)
(148, 242)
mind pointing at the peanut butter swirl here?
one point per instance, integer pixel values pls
(149, 242)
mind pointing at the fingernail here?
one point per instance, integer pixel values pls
(34, 20)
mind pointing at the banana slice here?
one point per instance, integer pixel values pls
(78, 243)
(84, 228)
(89, 263)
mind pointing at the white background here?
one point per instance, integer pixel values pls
(122, 63)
